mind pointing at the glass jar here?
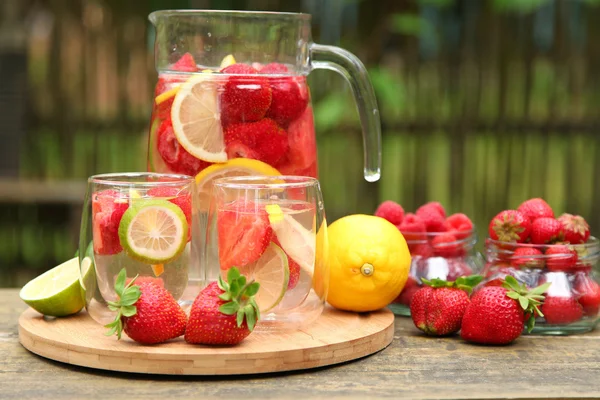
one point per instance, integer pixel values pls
(432, 258)
(572, 301)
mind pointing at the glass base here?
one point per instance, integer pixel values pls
(583, 326)
(399, 309)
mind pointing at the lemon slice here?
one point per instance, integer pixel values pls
(161, 98)
(197, 121)
(153, 231)
(56, 292)
(227, 61)
(233, 167)
(272, 271)
(298, 242)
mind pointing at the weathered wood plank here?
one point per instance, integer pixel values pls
(413, 366)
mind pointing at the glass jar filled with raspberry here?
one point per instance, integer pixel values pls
(533, 246)
(441, 246)
(232, 97)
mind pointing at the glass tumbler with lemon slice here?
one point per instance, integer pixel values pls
(142, 222)
(273, 230)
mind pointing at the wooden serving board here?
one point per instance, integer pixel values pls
(335, 337)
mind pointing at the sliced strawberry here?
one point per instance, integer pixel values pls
(245, 98)
(174, 155)
(244, 233)
(266, 140)
(108, 207)
(302, 152)
(185, 64)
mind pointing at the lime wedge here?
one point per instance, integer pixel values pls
(273, 273)
(153, 231)
(56, 292)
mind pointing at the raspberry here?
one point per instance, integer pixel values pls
(434, 221)
(434, 205)
(391, 211)
(459, 224)
(412, 227)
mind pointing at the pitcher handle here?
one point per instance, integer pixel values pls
(350, 67)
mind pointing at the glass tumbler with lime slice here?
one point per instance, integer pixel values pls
(273, 229)
(145, 223)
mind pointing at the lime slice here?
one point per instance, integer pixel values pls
(273, 273)
(298, 242)
(56, 292)
(153, 231)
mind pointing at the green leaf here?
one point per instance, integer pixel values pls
(241, 281)
(530, 323)
(524, 301)
(541, 289)
(513, 295)
(252, 302)
(129, 311)
(252, 289)
(232, 275)
(234, 288)
(120, 282)
(131, 296)
(114, 307)
(250, 318)
(240, 317)
(222, 284)
(226, 296)
(229, 308)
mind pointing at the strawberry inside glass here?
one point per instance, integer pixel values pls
(202, 117)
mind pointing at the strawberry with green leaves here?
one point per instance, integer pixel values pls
(147, 312)
(224, 313)
(438, 307)
(498, 314)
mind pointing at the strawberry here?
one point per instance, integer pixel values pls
(147, 312)
(510, 226)
(289, 94)
(423, 250)
(434, 221)
(438, 307)
(224, 313)
(559, 310)
(108, 207)
(265, 138)
(174, 155)
(239, 150)
(185, 64)
(244, 233)
(410, 288)
(446, 245)
(496, 314)
(546, 231)
(576, 230)
(245, 98)
(391, 211)
(412, 227)
(302, 153)
(535, 208)
(589, 294)
(459, 224)
(560, 257)
(527, 257)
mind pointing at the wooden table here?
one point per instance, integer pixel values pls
(414, 366)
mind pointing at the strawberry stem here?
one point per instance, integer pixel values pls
(125, 307)
(239, 297)
(466, 283)
(529, 300)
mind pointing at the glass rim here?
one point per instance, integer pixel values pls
(591, 243)
(120, 179)
(277, 182)
(469, 239)
(153, 16)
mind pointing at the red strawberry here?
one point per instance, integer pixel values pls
(510, 226)
(446, 245)
(244, 233)
(434, 205)
(245, 98)
(174, 155)
(576, 230)
(302, 153)
(559, 310)
(546, 230)
(289, 94)
(265, 138)
(560, 258)
(223, 313)
(240, 150)
(410, 288)
(495, 314)
(438, 307)
(434, 221)
(412, 227)
(185, 64)
(108, 207)
(293, 266)
(527, 257)
(421, 249)
(536, 208)
(589, 292)
(459, 224)
(391, 211)
(147, 312)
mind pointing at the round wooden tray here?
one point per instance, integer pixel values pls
(335, 337)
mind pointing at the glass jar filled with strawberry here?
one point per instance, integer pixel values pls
(441, 246)
(535, 247)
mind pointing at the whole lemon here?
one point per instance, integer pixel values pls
(369, 263)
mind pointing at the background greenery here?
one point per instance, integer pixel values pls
(484, 104)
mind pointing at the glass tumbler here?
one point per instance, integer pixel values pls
(143, 223)
(273, 229)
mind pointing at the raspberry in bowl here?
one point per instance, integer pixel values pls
(441, 246)
(535, 247)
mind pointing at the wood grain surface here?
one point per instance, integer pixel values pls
(413, 366)
(335, 337)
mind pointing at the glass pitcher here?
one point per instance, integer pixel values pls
(232, 97)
